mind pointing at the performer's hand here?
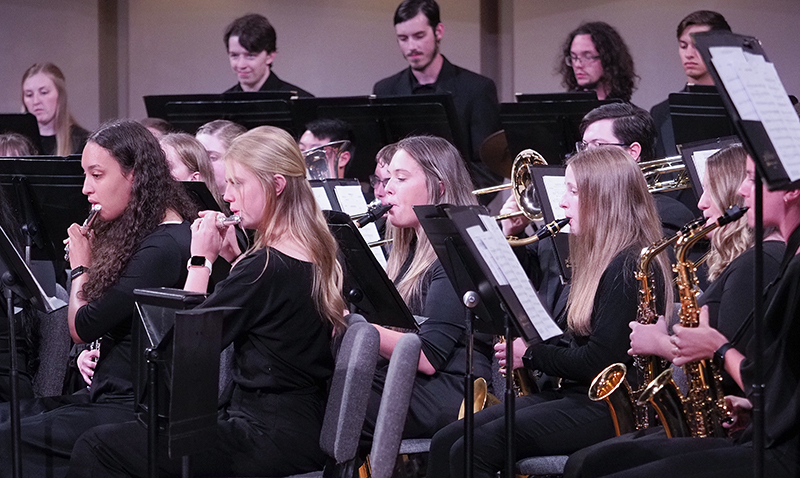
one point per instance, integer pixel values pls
(519, 351)
(207, 238)
(690, 344)
(650, 339)
(79, 247)
(515, 225)
(87, 361)
(741, 411)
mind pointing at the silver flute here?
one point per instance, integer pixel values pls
(87, 224)
(232, 220)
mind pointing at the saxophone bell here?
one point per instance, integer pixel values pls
(610, 386)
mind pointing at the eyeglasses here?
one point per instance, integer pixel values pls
(582, 59)
(374, 181)
(583, 145)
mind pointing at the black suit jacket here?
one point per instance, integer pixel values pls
(475, 100)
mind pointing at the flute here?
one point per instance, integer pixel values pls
(87, 225)
(224, 221)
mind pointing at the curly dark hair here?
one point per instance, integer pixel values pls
(152, 194)
(619, 74)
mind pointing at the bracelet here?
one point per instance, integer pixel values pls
(76, 272)
(719, 355)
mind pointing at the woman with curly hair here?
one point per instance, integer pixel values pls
(287, 290)
(595, 58)
(141, 239)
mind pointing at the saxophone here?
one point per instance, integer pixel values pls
(611, 384)
(704, 408)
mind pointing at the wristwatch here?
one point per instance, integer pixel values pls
(719, 355)
(199, 261)
(77, 271)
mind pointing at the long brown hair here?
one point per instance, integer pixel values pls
(152, 194)
(442, 164)
(63, 121)
(266, 151)
(616, 211)
(193, 155)
(725, 170)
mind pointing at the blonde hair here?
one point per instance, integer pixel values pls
(224, 130)
(444, 169)
(616, 211)
(194, 156)
(63, 121)
(725, 170)
(266, 151)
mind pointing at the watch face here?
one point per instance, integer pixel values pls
(198, 261)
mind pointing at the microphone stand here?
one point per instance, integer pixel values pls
(471, 300)
(16, 459)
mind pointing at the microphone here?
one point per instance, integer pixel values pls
(373, 215)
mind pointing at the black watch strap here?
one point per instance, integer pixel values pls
(719, 355)
(74, 273)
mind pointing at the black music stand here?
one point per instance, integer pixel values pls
(694, 157)
(388, 119)
(46, 195)
(698, 115)
(754, 106)
(547, 123)
(24, 124)
(542, 176)
(176, 352)
(189, 112)
(495, 279)
(18, 282)
(366, 285)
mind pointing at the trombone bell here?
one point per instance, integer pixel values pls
(521, 185)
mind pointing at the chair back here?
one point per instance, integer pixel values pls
(394, 405)
(349, 393)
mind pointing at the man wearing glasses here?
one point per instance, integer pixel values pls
(597, 59)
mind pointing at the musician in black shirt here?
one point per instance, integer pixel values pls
(613, 217)
(251, 44)
(139, 240)
(288, 290)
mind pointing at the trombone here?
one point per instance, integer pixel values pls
(521, 185)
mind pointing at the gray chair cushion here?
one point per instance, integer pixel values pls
(542, 465)
(394, 405)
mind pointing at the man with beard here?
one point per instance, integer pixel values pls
(419, 31)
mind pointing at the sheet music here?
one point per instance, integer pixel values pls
(505, 267)
(758, 95)
(322, 198)
(352, 201)
(555, 187)
(700, 158)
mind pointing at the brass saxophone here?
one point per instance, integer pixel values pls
(611, 384)
(704, 409)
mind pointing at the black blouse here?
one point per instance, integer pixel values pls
(281, 342)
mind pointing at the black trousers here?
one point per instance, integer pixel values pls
(50, 427)
(548, 423)
(651, 453)
(258, 435)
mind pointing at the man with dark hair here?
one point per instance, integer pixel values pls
(325, 130)
(251, 44)
(419, 31)
(693, 66)
(595, 58)
(620, 124)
